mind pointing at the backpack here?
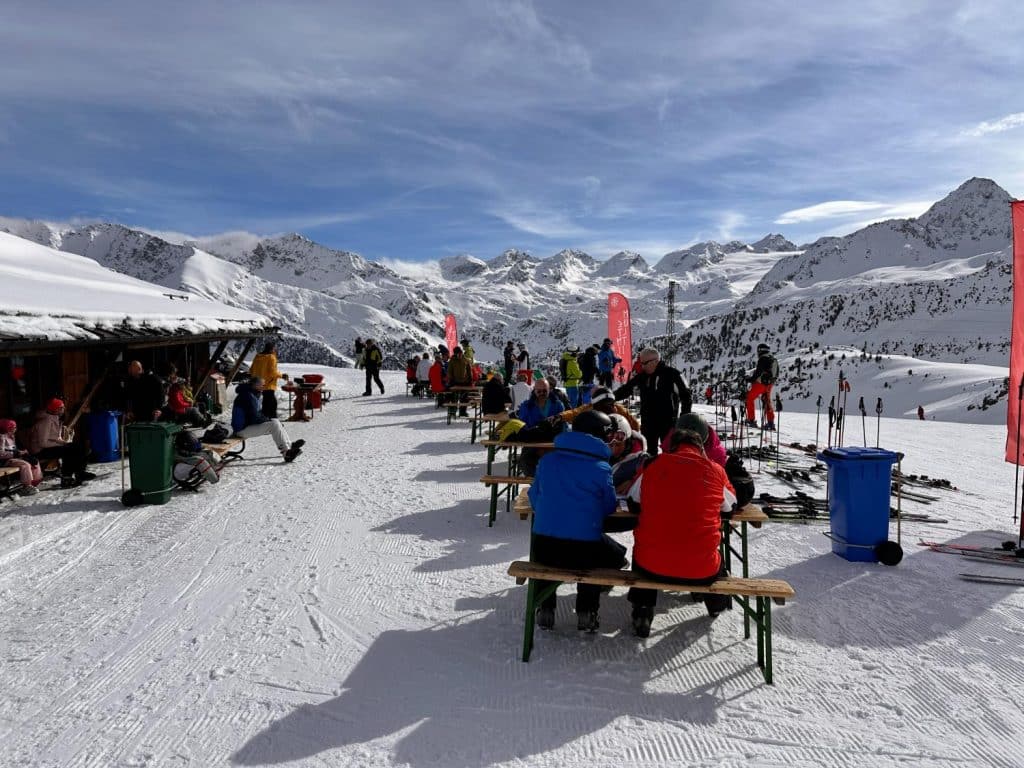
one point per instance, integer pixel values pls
(185, 443)
(218, 433)
(563, 368)
(772, 374)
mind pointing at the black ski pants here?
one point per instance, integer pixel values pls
(571, 553)
(373, 375)
(648, 598)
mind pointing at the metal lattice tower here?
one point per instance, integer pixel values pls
(670, 303)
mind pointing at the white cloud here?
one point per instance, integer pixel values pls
(528, 218)
(415, 270)
(1007, 123)
(728, 224)
(835, 209)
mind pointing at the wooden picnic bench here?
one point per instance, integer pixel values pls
(228, 450)
(764, 592)
(10, 482)
(510, 491)
(476, 425)
(493, 446)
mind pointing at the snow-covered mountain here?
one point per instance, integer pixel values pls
(933, 288)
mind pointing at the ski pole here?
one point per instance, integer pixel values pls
(839, 428)
(863, 420)
(817, 423)
(733, 412)
(778, 427)
(878, 422)
(831, 418)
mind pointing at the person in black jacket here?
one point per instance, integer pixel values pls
(510, 361)
(588, 371)
(664, 394)
(145, 394)
(495, 396)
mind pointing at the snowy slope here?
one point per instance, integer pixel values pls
(353, 609)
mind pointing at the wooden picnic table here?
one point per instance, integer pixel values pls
(477, 423)
(297, 406)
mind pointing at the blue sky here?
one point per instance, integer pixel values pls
(416, 130)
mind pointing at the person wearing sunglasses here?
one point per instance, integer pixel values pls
(664, 394)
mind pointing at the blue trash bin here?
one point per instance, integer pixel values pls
(859, 483)
(103, 436)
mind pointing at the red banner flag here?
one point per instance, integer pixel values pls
(620, 331)
(1013, 404)
(451, 332)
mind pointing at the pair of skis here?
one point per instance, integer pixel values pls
(1005, 555)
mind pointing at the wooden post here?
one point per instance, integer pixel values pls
(238, 363)
(89, 395)
(209, 368)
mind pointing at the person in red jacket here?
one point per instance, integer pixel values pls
(437, 387)
(676, 541)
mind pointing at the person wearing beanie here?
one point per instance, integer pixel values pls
(29, 472)
(47, 439)
(674, 542)
(696, 423)
(588, 372)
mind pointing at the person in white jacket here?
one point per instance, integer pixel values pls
(423, 376)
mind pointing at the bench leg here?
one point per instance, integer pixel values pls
(472, 431)
(764, 638)
(531, 615)
(491, 450)
(494, 505)
(743, 547)
(533, 597)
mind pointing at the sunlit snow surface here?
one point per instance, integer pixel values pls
(353, 609)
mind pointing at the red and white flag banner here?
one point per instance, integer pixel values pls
(451, 332)
(1013, 446)
(620, 331)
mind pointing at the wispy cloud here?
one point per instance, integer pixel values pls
(836, 209)
(1007, 123)
(535, 220)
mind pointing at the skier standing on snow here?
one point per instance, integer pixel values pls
(588, 371)
(606, 362)
(523, 359)
(373, 360)
(510, 361)
(761, 381)
(359, 350)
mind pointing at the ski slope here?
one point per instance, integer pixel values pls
(352, 609)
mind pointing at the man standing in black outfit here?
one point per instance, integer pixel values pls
(664, 394)
(510, 361)
(372, 359)
(145, 394)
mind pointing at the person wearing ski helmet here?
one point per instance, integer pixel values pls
(761, 381)
(510, 362)
(606, 362)
(571, 495)
(674, 542)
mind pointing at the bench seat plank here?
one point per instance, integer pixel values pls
(727, 585)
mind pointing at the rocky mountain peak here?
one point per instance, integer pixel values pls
(773, 243)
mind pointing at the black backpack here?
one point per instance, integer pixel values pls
(772, 374)
(218, 433)
(563, 367)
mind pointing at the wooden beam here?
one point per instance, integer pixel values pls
(89, 395)
(238, 363)
(209, 368)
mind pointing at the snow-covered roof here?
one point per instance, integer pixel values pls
(51, 296)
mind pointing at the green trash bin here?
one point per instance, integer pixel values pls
(151, 451)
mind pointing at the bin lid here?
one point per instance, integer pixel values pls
(857, 453)
(154, 426)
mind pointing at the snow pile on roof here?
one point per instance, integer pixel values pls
(52, 295)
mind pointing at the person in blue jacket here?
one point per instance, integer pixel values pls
(540, 406)
(571, 495)
(606, 362)
(248, 421)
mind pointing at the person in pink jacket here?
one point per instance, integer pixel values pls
(46, 440)
(29, 471)
(694, 422)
